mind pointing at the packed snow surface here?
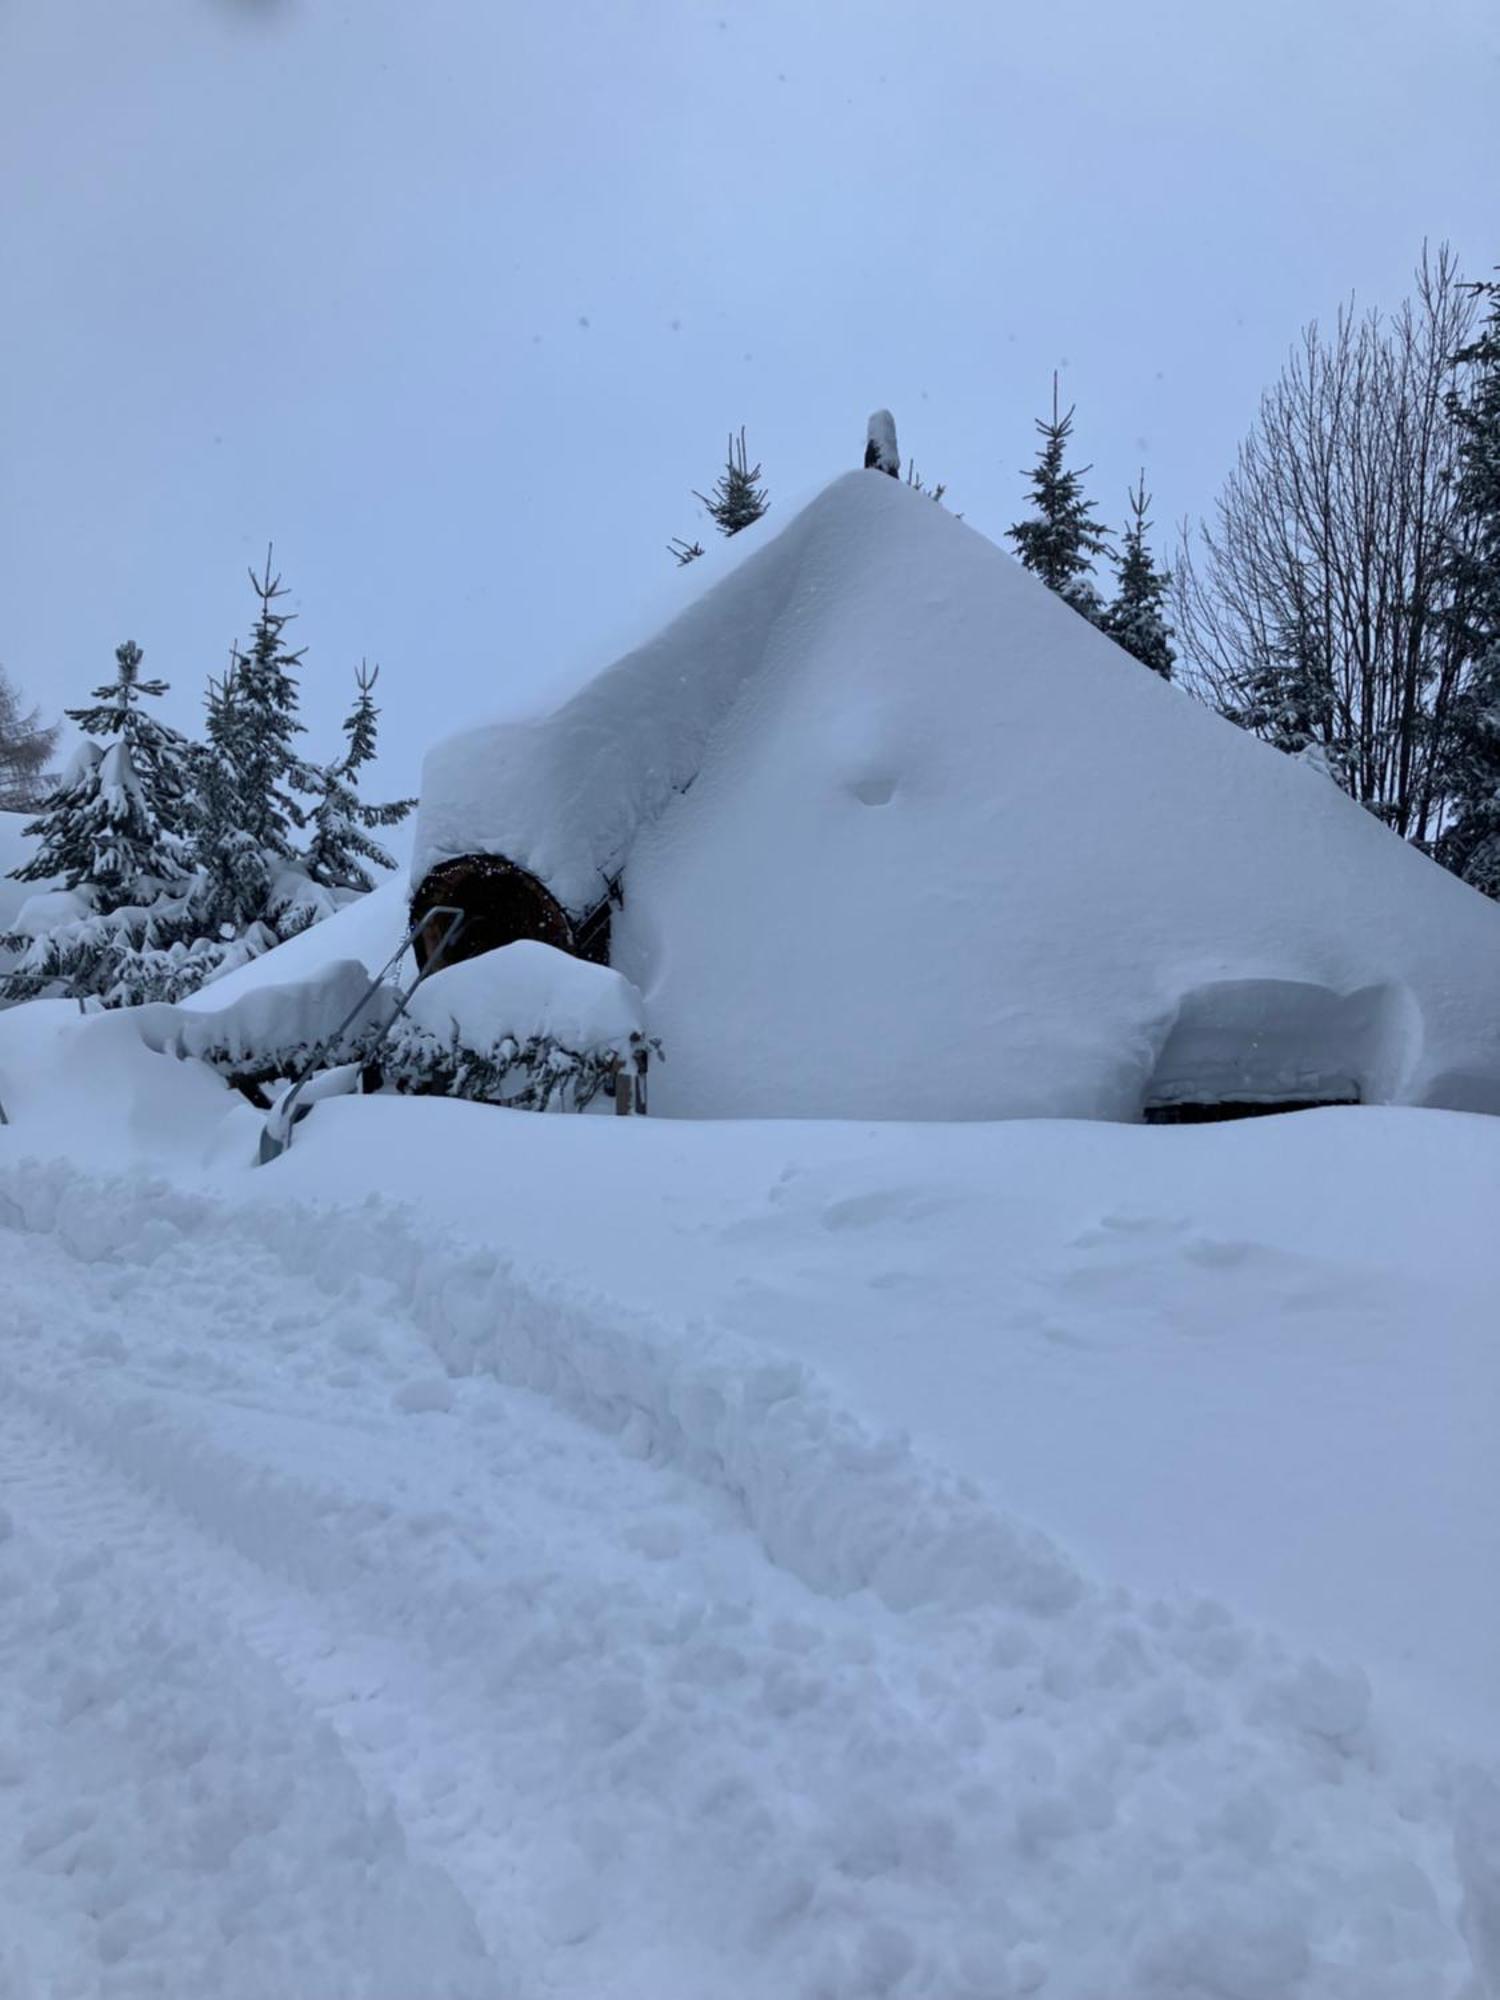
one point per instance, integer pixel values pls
(607, 1557)
(903, 836)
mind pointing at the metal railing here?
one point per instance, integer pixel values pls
(296, 1102)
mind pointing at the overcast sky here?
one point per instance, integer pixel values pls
(456, 299)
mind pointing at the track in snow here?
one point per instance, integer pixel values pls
(325, 1673)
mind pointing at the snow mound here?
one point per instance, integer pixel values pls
(48, 910)
(91, 1083)
(367, 930)
(524, 990)
(903, 836)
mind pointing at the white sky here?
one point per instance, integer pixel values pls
(457, 299)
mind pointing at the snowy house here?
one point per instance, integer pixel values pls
(881, 828)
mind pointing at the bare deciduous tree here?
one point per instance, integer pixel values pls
(1313, 608)
(26, 748)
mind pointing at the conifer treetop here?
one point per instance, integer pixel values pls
(342, 849)
(1136, 619)
(739, 497)
(1060, 541)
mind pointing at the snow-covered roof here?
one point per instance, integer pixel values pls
(908, 837)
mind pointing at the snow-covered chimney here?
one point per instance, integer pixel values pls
(880, 444)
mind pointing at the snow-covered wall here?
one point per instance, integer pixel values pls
(904, 836)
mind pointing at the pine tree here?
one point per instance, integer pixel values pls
(113, 836)
(1286, 697)
(341, 844)
(1136, 619)
(1061, 540)
(114, 827)
(234, 871)
(1470, 843)
(738, 497)
(259, 725)
(245, 777)
(66, 852)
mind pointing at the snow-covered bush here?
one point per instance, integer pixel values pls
(526, 1026)
(271, 1032)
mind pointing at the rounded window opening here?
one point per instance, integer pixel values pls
(501, 904)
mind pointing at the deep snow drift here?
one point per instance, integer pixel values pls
(626, 1531)
(903, 836)
(648, 1667)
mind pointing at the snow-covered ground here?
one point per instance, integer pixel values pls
(486, 1554)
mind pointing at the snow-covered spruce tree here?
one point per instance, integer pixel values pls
(1287, 699)
(1061, 540)
(66, 851)
(247, 815)
(112, 838)
(1136, 618)
(1470, 842)
(261, 725)
(114, 826)
(341, 843)
(234, 871)
(738, 497)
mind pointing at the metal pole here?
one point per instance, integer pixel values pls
(276, 1133)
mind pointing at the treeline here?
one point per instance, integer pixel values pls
(1343, 602)
(165, 860)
